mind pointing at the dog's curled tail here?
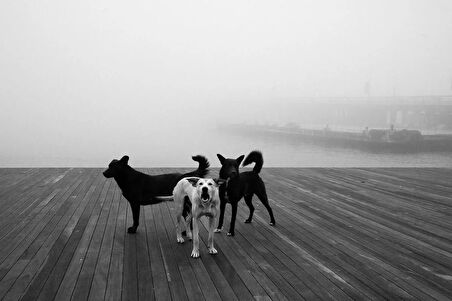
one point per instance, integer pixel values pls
(256, 157)
(203, 167)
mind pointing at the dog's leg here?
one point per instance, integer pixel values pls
(136, 217)
(233, 216)
(220, 220)
(210, 246)
(248, 199)
(262, 195)
(195, 251)
(188, 226)
(184, 217)
(186, 211)
(179, 220)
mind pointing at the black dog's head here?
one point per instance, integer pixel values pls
(229, 167)
(116, 167)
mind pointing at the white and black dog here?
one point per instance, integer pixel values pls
(205, 201)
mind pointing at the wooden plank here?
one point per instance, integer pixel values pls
(327, 209)
(100, 277)
(174, 273)
(206, 266)
(25, 251)
(80, 255)
(115, 272)
(50, 288)
(58, 178)
(21, 181)
(405, 203)
(175, 285)
(8, 176)
(326, 249)
(37, 252)
(15, 196)
(391, 217)
(38, 184)
(422, 240)
(340, 259)
(26, 228)
(242, 268)
(84, 280)
(130, 273)
(18, 198)
(359, 233)
(278, 261)
(144, 270)
(59, 247)
(231, 275)
(262, 276)
(197, 274)
(160, 276)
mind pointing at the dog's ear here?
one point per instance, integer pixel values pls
(239, 159)
(125, 159)
(219, 181)
(193, 181)
(221, 158)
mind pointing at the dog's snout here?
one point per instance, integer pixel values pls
(205, 190)
(107, 173)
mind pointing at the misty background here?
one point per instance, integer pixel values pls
(82, 82)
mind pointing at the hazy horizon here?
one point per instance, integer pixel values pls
(97, 79)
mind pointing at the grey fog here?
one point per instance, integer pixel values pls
(82, 82)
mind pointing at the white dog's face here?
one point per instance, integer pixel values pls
(205, 188)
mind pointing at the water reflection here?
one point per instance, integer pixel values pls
(155, 149)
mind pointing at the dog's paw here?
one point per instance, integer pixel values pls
(213, 251)
(132, 230)
(195, 253)
(218, 230)
(230, 234)
(180, 240)
(248, 221)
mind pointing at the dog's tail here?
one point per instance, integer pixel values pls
(256, 157)
(203, 167)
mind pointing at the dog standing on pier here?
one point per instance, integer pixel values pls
(142, 189)
(239, 185)
(204, 199)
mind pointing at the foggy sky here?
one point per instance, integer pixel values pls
(81, 74)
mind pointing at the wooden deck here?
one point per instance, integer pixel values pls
(341, 234)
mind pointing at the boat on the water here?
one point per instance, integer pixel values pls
(376, 140)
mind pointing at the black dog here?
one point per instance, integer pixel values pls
(239, 185)
(142, 189)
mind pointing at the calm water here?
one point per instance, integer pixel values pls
(154, 149)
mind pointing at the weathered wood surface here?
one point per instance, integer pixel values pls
(341, 234)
